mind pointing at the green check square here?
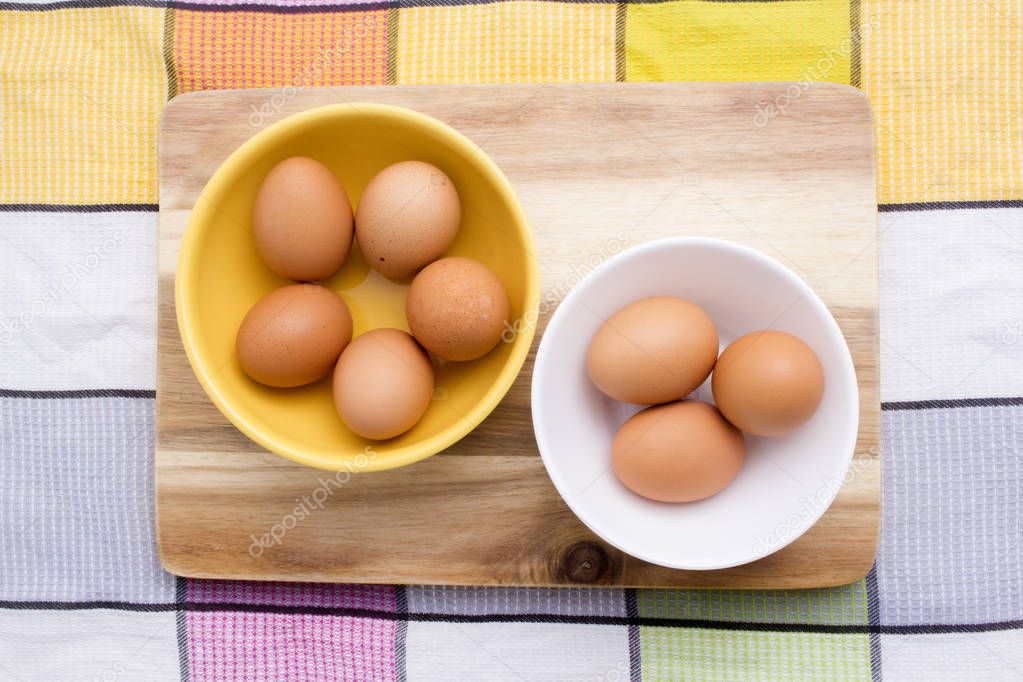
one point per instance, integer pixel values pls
(725, 655)
(844, 605)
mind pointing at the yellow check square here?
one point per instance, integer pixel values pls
(507, 42)
(944, 80)
(687, 40)
(81, 91)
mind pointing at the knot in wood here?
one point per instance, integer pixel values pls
(585, 562)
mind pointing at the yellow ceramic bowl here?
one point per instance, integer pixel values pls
(220, 276)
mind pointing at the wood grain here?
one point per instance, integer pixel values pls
(597, 167)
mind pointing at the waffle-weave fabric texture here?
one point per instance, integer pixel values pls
(82, 594)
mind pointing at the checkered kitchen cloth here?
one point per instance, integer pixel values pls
(82, 84)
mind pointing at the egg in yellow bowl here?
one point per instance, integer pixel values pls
(221, 275)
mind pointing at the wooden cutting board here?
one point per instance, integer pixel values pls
(783, 168)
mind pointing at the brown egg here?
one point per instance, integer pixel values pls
(679, 452)
(652, 351)
(408, 216)
(302, 220)
(457, 308)
(768, 383)
(383, 384)
(293, 335)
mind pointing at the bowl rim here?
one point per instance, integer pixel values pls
(191, 244)
(540, 422)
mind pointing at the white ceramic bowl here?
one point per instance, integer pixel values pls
(786, 483)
